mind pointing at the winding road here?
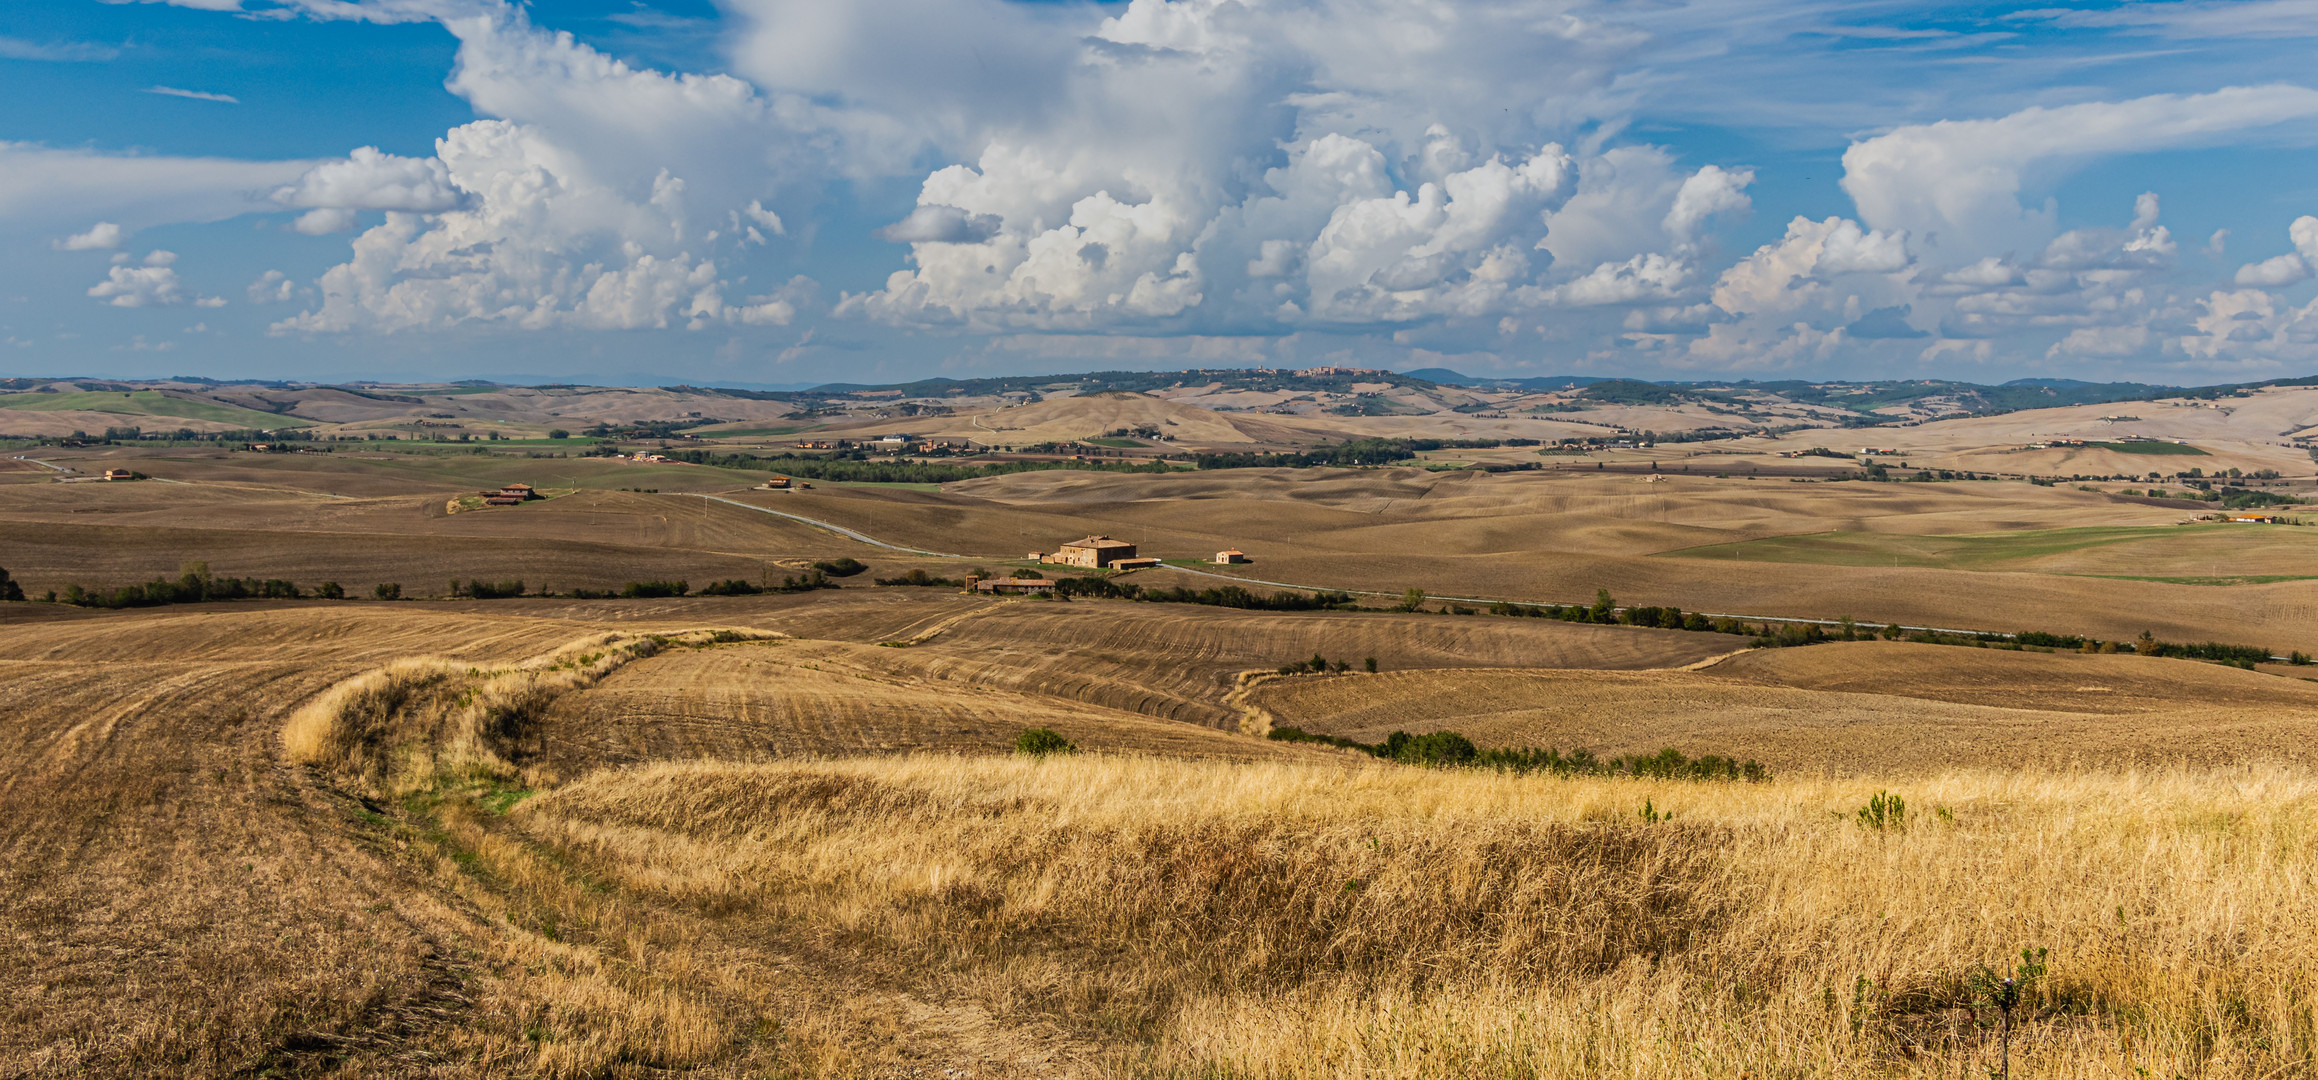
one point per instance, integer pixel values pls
(1238, 580)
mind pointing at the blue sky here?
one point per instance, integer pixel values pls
(777, 192)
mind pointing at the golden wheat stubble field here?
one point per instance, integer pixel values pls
(562, 850)
(768, 835)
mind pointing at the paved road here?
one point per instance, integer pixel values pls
(1238, 580)
(819, 524)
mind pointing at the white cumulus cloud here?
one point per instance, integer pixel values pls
(370, 180)
(103, 236)
(1956, 184)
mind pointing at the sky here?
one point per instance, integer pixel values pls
(789, 192)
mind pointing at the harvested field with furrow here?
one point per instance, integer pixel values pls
(815, 833)
(1844, 713)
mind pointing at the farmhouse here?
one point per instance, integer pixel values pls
(1229, 556)
(2254, 519)
(1092, 553)
(778, 483)
(119, 474)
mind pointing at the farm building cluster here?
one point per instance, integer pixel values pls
(1096, 553)
(1109, 553)
(510, 495)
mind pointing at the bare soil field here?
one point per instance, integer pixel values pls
(1865, 708)
(1988, 556)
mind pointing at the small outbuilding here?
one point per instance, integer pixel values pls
(1134, 564)
(1229, 556)
(119, 474)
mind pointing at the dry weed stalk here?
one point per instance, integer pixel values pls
(1296, 920)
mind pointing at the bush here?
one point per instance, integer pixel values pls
(1039, 742)
(646, 590)
(488, 590)
(1435, 749)
(330, 590)
(1443, 749)
(388, 591)
(730, 587)
(194, 586)
(845, 567)
(9, 589)
(558, 433)
(919, 578)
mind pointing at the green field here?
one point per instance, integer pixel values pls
(2250, 579)
(1985, 551)
(2154, 449)
(147, 403)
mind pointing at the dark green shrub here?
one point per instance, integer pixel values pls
(646, 590)
(330, 590)
(1039, 742)
(388, 591)
(9, 589)
(730, 587)
(919, 578)
(845, 567)
(1435, 749)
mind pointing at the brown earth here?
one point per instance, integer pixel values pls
(1865, 708)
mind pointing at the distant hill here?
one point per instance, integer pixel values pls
(1446, 377)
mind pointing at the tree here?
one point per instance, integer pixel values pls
(1604, 609)
(1412, 600)
(558, 433)
(9, 589)
(388, 591)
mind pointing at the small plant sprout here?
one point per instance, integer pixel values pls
(1884, 812)
(2007, 993)
(1653, 815)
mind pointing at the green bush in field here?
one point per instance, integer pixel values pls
(1038, 742)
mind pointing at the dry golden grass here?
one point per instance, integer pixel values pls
(1289, 921)
(504, 873)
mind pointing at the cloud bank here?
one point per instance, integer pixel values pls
(1456, 177)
